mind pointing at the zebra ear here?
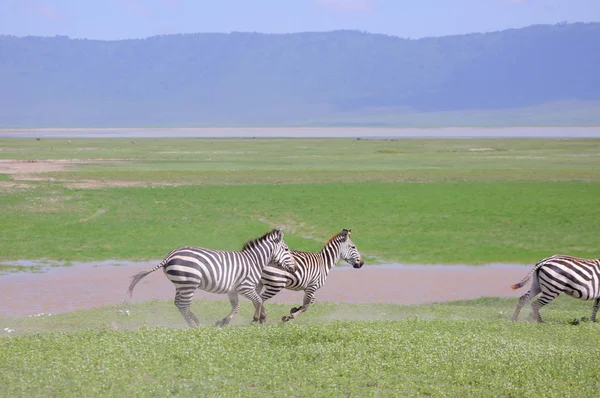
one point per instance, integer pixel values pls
(345, 232)
(277, 235)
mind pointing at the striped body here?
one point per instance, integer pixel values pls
(222, 272)
(312, 271)
(192, 267)
(574, 276)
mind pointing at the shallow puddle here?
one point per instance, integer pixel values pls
(96, 284)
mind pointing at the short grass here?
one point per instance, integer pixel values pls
(468, 223)
(409, 201)
(462, 348)
(155, 313)
(266, 161)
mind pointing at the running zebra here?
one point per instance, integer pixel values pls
(311, 273)
(222, 272)
(577, 277)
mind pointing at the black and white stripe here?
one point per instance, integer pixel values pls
(222, 272)
(311, 273)
(577, 277)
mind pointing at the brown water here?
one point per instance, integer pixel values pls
(90, 285)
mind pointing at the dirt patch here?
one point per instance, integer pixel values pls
(95, 184)
(23, 167)
(482, 149)
(33, 170)
(14, 185)
(87, 286)
(96, 214)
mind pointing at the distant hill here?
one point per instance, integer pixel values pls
(539, 75)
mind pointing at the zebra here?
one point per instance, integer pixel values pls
(311, 273)
(577, 277)
(222, 272)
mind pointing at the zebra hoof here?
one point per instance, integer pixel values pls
(286, 318)
(294, 309)
(221, 323)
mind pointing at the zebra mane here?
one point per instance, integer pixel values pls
(253, 242)
(338, 237)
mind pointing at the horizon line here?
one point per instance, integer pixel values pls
(361, 31)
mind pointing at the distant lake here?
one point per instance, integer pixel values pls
(308, 132)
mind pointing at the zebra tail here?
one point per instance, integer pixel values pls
(138, 277)
(524, 281)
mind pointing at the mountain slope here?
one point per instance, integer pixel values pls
(341, 77)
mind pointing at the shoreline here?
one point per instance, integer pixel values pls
(306, 132)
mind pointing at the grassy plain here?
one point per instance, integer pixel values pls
(409, 201)
(462, 348)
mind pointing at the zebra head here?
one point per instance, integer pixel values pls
(348, 251)
(281, 254)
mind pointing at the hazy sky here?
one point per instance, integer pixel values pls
(121, 19)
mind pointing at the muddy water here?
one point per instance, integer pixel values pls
(90, 285)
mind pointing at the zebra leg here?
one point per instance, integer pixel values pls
(309, 298)
(267, 293)
(260, 315)
(259, 291)
(259, 288)
(544, 299)
(595, 310)
(523, 300)
(235, 306)
(534, 290)
(183, 301)
(296, 309)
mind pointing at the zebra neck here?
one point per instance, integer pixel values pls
(331, 255)
(258, 256)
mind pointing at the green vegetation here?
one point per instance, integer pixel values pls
(269, 161)
(409, 223)
(511, 200)
(155, 313)
(422, 201)
(326, 78)
(464, 348)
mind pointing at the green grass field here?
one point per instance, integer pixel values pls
(466, 348)
(408, 201)
(409, 223)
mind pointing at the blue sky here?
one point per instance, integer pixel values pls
(122, 19)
